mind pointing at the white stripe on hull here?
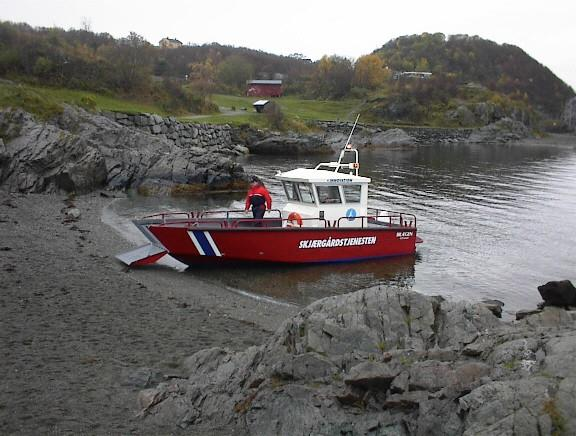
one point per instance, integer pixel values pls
(196, 243)
(212, 244)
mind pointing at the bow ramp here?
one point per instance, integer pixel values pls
(145, 255)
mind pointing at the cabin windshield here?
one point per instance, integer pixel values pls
(306, 195)
(352, 193)
(328, 194)
(291, 191)
(299, 192)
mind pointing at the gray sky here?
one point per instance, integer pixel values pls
(544, 29)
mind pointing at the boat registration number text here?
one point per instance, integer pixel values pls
(404, 235)
(337, 242)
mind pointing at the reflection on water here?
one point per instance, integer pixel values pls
(497, 221)
(303, 284)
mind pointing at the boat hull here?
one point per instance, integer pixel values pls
(284, 245)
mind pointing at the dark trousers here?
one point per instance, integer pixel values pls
(258, 212)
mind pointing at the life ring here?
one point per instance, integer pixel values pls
(294, 219)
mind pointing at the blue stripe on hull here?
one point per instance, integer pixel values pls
(201, 237)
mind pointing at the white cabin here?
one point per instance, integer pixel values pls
(326, 197)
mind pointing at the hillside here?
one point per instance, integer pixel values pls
(473, 81)
(505, 69)
(133, 67)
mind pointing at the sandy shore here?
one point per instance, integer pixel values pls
(80, 334)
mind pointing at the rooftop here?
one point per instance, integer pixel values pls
(320, 176)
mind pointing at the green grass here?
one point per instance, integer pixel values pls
(102, 102)
(17, 96)
(296, 109)
(46, 102)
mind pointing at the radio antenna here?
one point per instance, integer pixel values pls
(352, 131)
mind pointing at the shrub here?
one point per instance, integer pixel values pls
(274, 115)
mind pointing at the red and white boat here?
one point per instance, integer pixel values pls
(326, 219)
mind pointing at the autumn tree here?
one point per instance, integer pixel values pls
(369, 72)
(202, 77)
(332, 77)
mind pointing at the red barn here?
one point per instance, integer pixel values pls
(264, 88)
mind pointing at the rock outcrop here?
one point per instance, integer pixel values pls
(502, 131)
(392, 137)
(383, 362)
(499, 132)
(561, 294)
(81, 151)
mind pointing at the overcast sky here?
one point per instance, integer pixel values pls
(544, 29)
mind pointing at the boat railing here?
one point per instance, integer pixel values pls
(233, 219)
(172, 217)
(227, 213)
(391, 218)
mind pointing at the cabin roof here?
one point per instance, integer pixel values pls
(320, 176)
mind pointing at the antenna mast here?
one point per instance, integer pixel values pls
(352, 131)
(354, 165)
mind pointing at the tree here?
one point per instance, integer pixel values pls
(333, 77)
(131, 59)
(369, 72)
(274, 115)
(201, 78)
(234, 71)
(422, 65)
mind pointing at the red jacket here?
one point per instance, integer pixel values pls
(260, 191)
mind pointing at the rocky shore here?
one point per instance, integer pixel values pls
(90, 347)
(335, 134)
(381, 362)
(80, 151)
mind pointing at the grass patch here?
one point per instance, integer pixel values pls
(511, 365)
(20, 96)
(47, 102)
(558, 421)
(98, 101)
(297, 107)
(236, 110)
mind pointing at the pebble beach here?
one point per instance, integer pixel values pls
(81, 334)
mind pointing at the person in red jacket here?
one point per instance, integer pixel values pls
(258, 198)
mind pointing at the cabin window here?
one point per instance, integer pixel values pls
(352, 193)
(291, 191)
(306, 195)
(328, 194)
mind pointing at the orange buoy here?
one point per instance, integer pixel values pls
(294, 219)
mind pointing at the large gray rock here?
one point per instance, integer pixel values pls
(392, 137)
(558, 293)
(81, 151)
(502, 131)
(462, 116)
(508, 408)
(382, 362)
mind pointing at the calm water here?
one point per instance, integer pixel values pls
(497, 221)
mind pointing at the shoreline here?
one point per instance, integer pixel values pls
(81, 335)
